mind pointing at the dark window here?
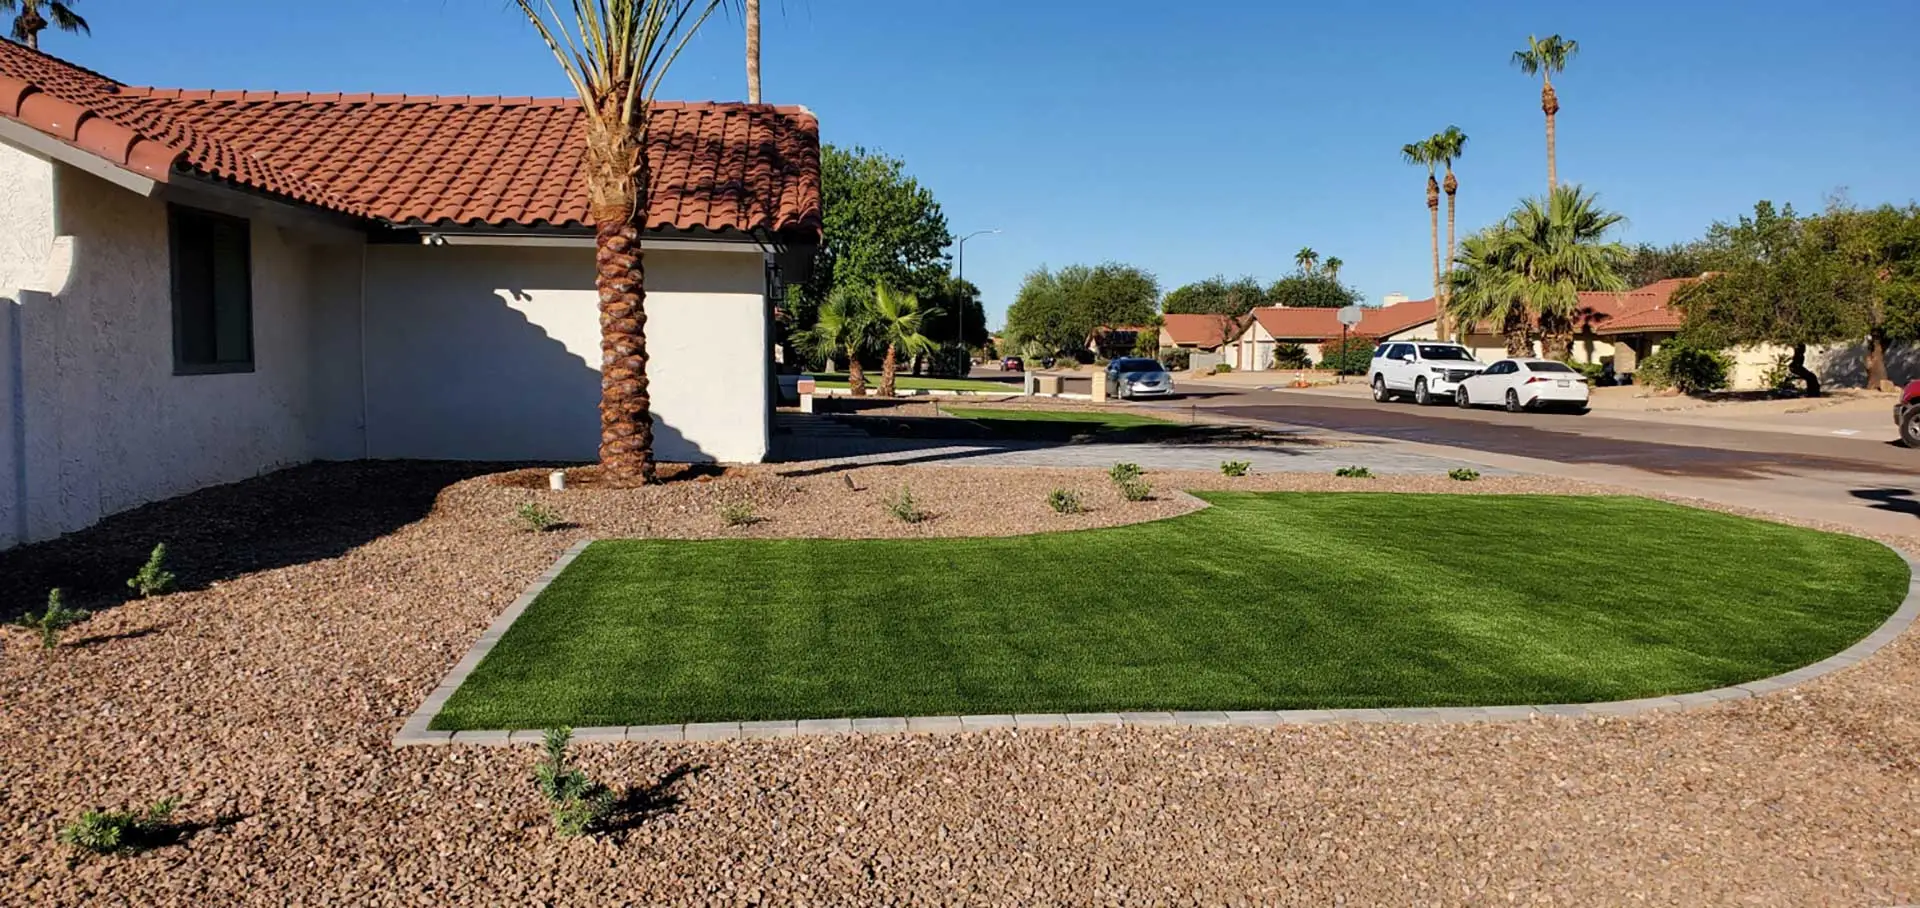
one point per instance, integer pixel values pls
(1401, 351)
(212, 292)
(1547, 367)
(1445, 352)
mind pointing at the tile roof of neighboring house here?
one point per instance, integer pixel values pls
(414, 159)
(1648, 308)
(1200, 329)
(1296, 324)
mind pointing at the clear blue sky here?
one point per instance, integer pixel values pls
(1191, 138)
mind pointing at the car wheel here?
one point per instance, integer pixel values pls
(1460, 397)
(1513, 401)
(1420, 394)
(1910, 429)
(1380, 395)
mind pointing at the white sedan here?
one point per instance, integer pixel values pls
(1525, 384)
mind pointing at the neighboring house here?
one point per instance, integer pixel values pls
(1252, 346)
(1201, 332)
(1107, 342)
(197, 287)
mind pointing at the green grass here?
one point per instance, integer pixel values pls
(1091, 419)
(910, 383)
(1276, 600)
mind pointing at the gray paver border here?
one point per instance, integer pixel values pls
(415, 732)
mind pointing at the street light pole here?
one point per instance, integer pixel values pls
(961, 258)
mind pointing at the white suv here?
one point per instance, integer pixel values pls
(1424, 369)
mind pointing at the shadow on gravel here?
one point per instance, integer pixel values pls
(293, 516)
(646, 802)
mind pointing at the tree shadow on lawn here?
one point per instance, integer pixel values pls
(293, 516)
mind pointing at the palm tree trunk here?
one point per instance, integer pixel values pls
(1550, 103)
(889, 367)
(856, 376)
(626, 425)
(1518, 343)
(1433, 218)
(753, 51)
(1452, 186)
(1876, 359)
(30, 23)
(1798, 366)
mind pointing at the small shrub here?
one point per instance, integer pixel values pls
(56, 617)
(153, 578)
(1222, 368)
(1354, 473)
(1592, 371)
(1235, 467)
(1136, 489)
(1351, 356)
(1686, 367)
(578, 802)
(1176, 359)
(1463, 474)
(537, 517)
(905, 509)
(1290, 356)
(738, 514)
(1065, 501)
(112, 831)
(1123, 472)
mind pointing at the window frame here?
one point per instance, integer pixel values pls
(181, 367)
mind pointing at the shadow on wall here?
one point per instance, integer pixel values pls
(1847, 366)
(297, 515)
(488, 354)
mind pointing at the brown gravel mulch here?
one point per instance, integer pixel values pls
(321, 604)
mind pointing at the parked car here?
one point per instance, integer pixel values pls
(1135, 376)
(1525, 384)
(1906, 415)
(1424, 369)
(1013, 364)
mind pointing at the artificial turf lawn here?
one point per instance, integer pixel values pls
(1264, 601)
(911, 383)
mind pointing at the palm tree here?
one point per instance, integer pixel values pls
(845, 330)
(1544, 57)
(753, 51)
(1307, 259)
(1449, 145)
(1483, 289)
(897, 320)
(35, 15)
(1333, 268)
(1555, 249)
(615, 53)
(1424, 153)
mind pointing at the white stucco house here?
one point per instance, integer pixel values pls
(200, 286)
(1251, 346)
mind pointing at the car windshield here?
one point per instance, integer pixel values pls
(1136, 365)
(1445, 352)
(1548, 367)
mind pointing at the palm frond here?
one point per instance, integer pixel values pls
(65, 19)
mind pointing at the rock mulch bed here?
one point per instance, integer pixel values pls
(321, 604)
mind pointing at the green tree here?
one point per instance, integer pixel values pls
(1058, 310)
(1218, 296)
(1556, 248)
(878, 224)
(897, 322)
(33, 17)
(1544, 57)
(1426, 154)
(844, 330)
(1647, 263)
(957, 316)
(1882, 246)
(1311, 291)
(1774, 282)
(1306, 260)
(1484, 288)
(615, 52)
(1449, 145)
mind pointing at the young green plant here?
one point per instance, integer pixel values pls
(579, 803)
(53, 619)
(153, 578)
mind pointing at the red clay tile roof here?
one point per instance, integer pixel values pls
(1310, 325)
(1648, 308)
(1198, 328)
(415, 159)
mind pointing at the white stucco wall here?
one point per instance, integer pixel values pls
(107, 426)
(493, 353)
(26, 237)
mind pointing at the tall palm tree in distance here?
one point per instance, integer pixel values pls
(1424, 153)
(1307, 259)
(1449, 145)
(1544, 57)
(33, 17)
(615, 53)
(753, 51)
(1332, 268)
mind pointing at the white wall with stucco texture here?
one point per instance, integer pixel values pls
(493, 353)
(26, 237)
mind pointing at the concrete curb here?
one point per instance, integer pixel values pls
(415, 733)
